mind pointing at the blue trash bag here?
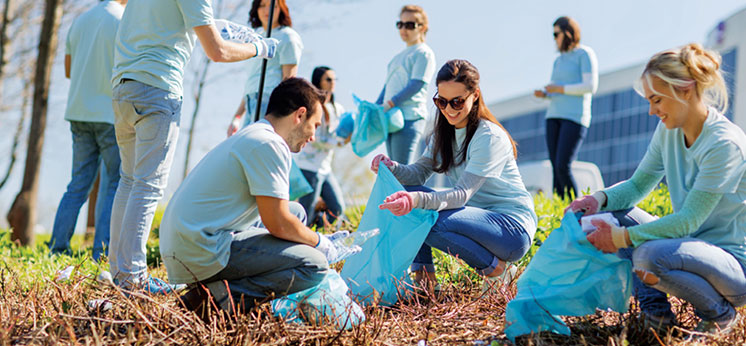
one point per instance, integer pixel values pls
(567, 277)
(371, 127)
(346, 125)
(380, 269)
(327, 301)
(299, 186)
(395, 119)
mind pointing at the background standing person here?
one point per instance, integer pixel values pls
(487, 219)
(153, 45)
(315, 160)
(574, 80)
(409, 73)
(89, 58)
(282, 67)
(698, 253)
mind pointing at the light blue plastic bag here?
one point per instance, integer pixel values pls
(567, 277)
(346, 125)
(326, 301)
(395, 119)
(379, 269)
(299, 186)
(371, 127)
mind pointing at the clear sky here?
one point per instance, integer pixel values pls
(510, 42)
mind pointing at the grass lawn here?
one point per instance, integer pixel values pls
(36, 309)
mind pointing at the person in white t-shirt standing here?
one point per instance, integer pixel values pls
(315, 160)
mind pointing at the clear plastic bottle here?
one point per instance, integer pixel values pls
(349, 245)
(235, 32)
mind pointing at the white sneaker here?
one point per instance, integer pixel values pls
(492, 283)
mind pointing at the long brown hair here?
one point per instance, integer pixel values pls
(444, 134)
(284, 17)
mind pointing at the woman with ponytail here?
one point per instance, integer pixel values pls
(698, 253)
(488, 218)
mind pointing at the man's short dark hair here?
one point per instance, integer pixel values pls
(292, 94)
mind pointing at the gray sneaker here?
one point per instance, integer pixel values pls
(717, 328)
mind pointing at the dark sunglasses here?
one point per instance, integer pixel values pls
(456, 103)
(556, 34)
(330, 79)
(407, 25)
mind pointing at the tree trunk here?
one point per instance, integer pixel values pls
(202, 75)
(4, 39)
(22, 214)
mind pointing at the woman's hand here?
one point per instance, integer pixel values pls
(589, 204)
(234, 126)
(554, 89)
(603, 237)
(378, 159)
(540, 94)
(399, 203)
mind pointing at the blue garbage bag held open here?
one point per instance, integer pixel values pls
(326, 301)
(379, 269)
(567, 277)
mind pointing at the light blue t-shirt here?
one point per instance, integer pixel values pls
(715, 163)
(414, 62)
(155, 41)
(569, 68)
(490, 155)
(288, 53)
(218, 197)
(90, 44)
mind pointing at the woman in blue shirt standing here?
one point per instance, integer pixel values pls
(283, 66)
(488, 218)
(574, 79)
(698, 253)
(409, 73)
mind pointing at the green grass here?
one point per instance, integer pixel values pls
(37, 309)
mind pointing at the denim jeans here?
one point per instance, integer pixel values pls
(706, 276)
(327, 187)
(147, 128)
(401, 145)
(262, 266)
(563, 143)
(93, 143)
(479, 237)
(251, 108)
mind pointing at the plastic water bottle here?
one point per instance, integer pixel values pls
(235, 32)
(349, 245)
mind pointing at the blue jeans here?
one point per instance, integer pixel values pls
(93, 143)
(251, 108)
(327, 187)
(479, 237)
(401, 145)
(147, 128)
(705, 275)
(564, 138)
(262, 266)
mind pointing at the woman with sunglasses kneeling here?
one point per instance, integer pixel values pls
(409, 72)
(488, 218)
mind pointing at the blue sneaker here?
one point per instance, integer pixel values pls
(158, 286)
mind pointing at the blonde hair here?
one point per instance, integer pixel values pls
(418, 12)
(690, 66)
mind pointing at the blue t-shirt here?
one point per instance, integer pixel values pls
(715, 163)
(414, 62)
(90, 44)
(155, 41)
(490, 155)
(288, 53)
(569, 68)
(219, 196)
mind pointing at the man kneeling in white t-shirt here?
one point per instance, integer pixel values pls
(230, 228)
